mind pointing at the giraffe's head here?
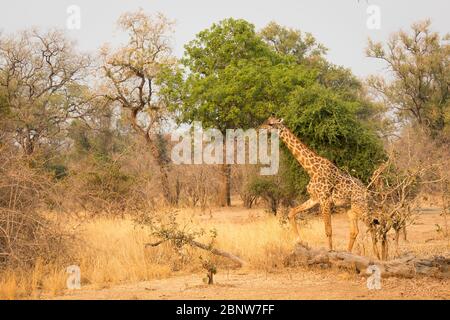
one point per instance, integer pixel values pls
(272, 123)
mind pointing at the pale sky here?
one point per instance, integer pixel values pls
(339, 25)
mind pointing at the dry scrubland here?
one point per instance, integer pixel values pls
(115, 263)
(92, 131)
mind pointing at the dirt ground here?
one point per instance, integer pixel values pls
(292, 283)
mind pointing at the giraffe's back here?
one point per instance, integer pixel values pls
(349, 190)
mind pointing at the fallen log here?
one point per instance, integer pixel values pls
(408, 266)
(205, 247)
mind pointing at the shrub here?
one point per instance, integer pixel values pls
(25, 235)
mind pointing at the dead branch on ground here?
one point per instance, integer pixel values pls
(408, 266)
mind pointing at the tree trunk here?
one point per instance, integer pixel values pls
(384, 248)
(165, 184)
(163, 163)
(178, 187)
(273, 205)
(28, 145)
(225, 195)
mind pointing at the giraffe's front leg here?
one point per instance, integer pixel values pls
(325, 207)
(293, 213)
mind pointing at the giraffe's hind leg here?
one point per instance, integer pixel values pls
(353, 215)
(293, 213)
(325, 207)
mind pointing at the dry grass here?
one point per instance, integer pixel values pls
(112, 251)
(116, 246)
(16, 284)
(108, 252)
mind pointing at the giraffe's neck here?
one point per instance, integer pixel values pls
(307, 158)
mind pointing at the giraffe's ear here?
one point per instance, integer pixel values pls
(282, 120)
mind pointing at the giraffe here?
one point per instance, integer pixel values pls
(328, 186)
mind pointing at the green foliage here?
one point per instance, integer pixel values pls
(330, 126)
(267, 190)
(227, 70)
(324, 105)
(225, 43)
(78, 132)
(108, 181)
(233, 77)
(58, 170)
(101, 142)
(272, 189)
(102, 181)
(292, 43)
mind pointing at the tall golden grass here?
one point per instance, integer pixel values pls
(112, 251)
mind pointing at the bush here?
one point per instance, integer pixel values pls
(272, 190)
(25, 235)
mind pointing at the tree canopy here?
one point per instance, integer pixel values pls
(41, 81)
(234, 77)
(419, 65)
(224, 77)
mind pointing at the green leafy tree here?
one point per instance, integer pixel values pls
(324, 104)
(307, 64)
(227, 67)
(329, 124)
(233, 77)
(291, 42)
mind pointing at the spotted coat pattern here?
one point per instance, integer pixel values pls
(328, 186)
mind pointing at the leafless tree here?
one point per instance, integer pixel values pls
(394, 193)
(41, 79)
(132, 72)
(418, 63)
